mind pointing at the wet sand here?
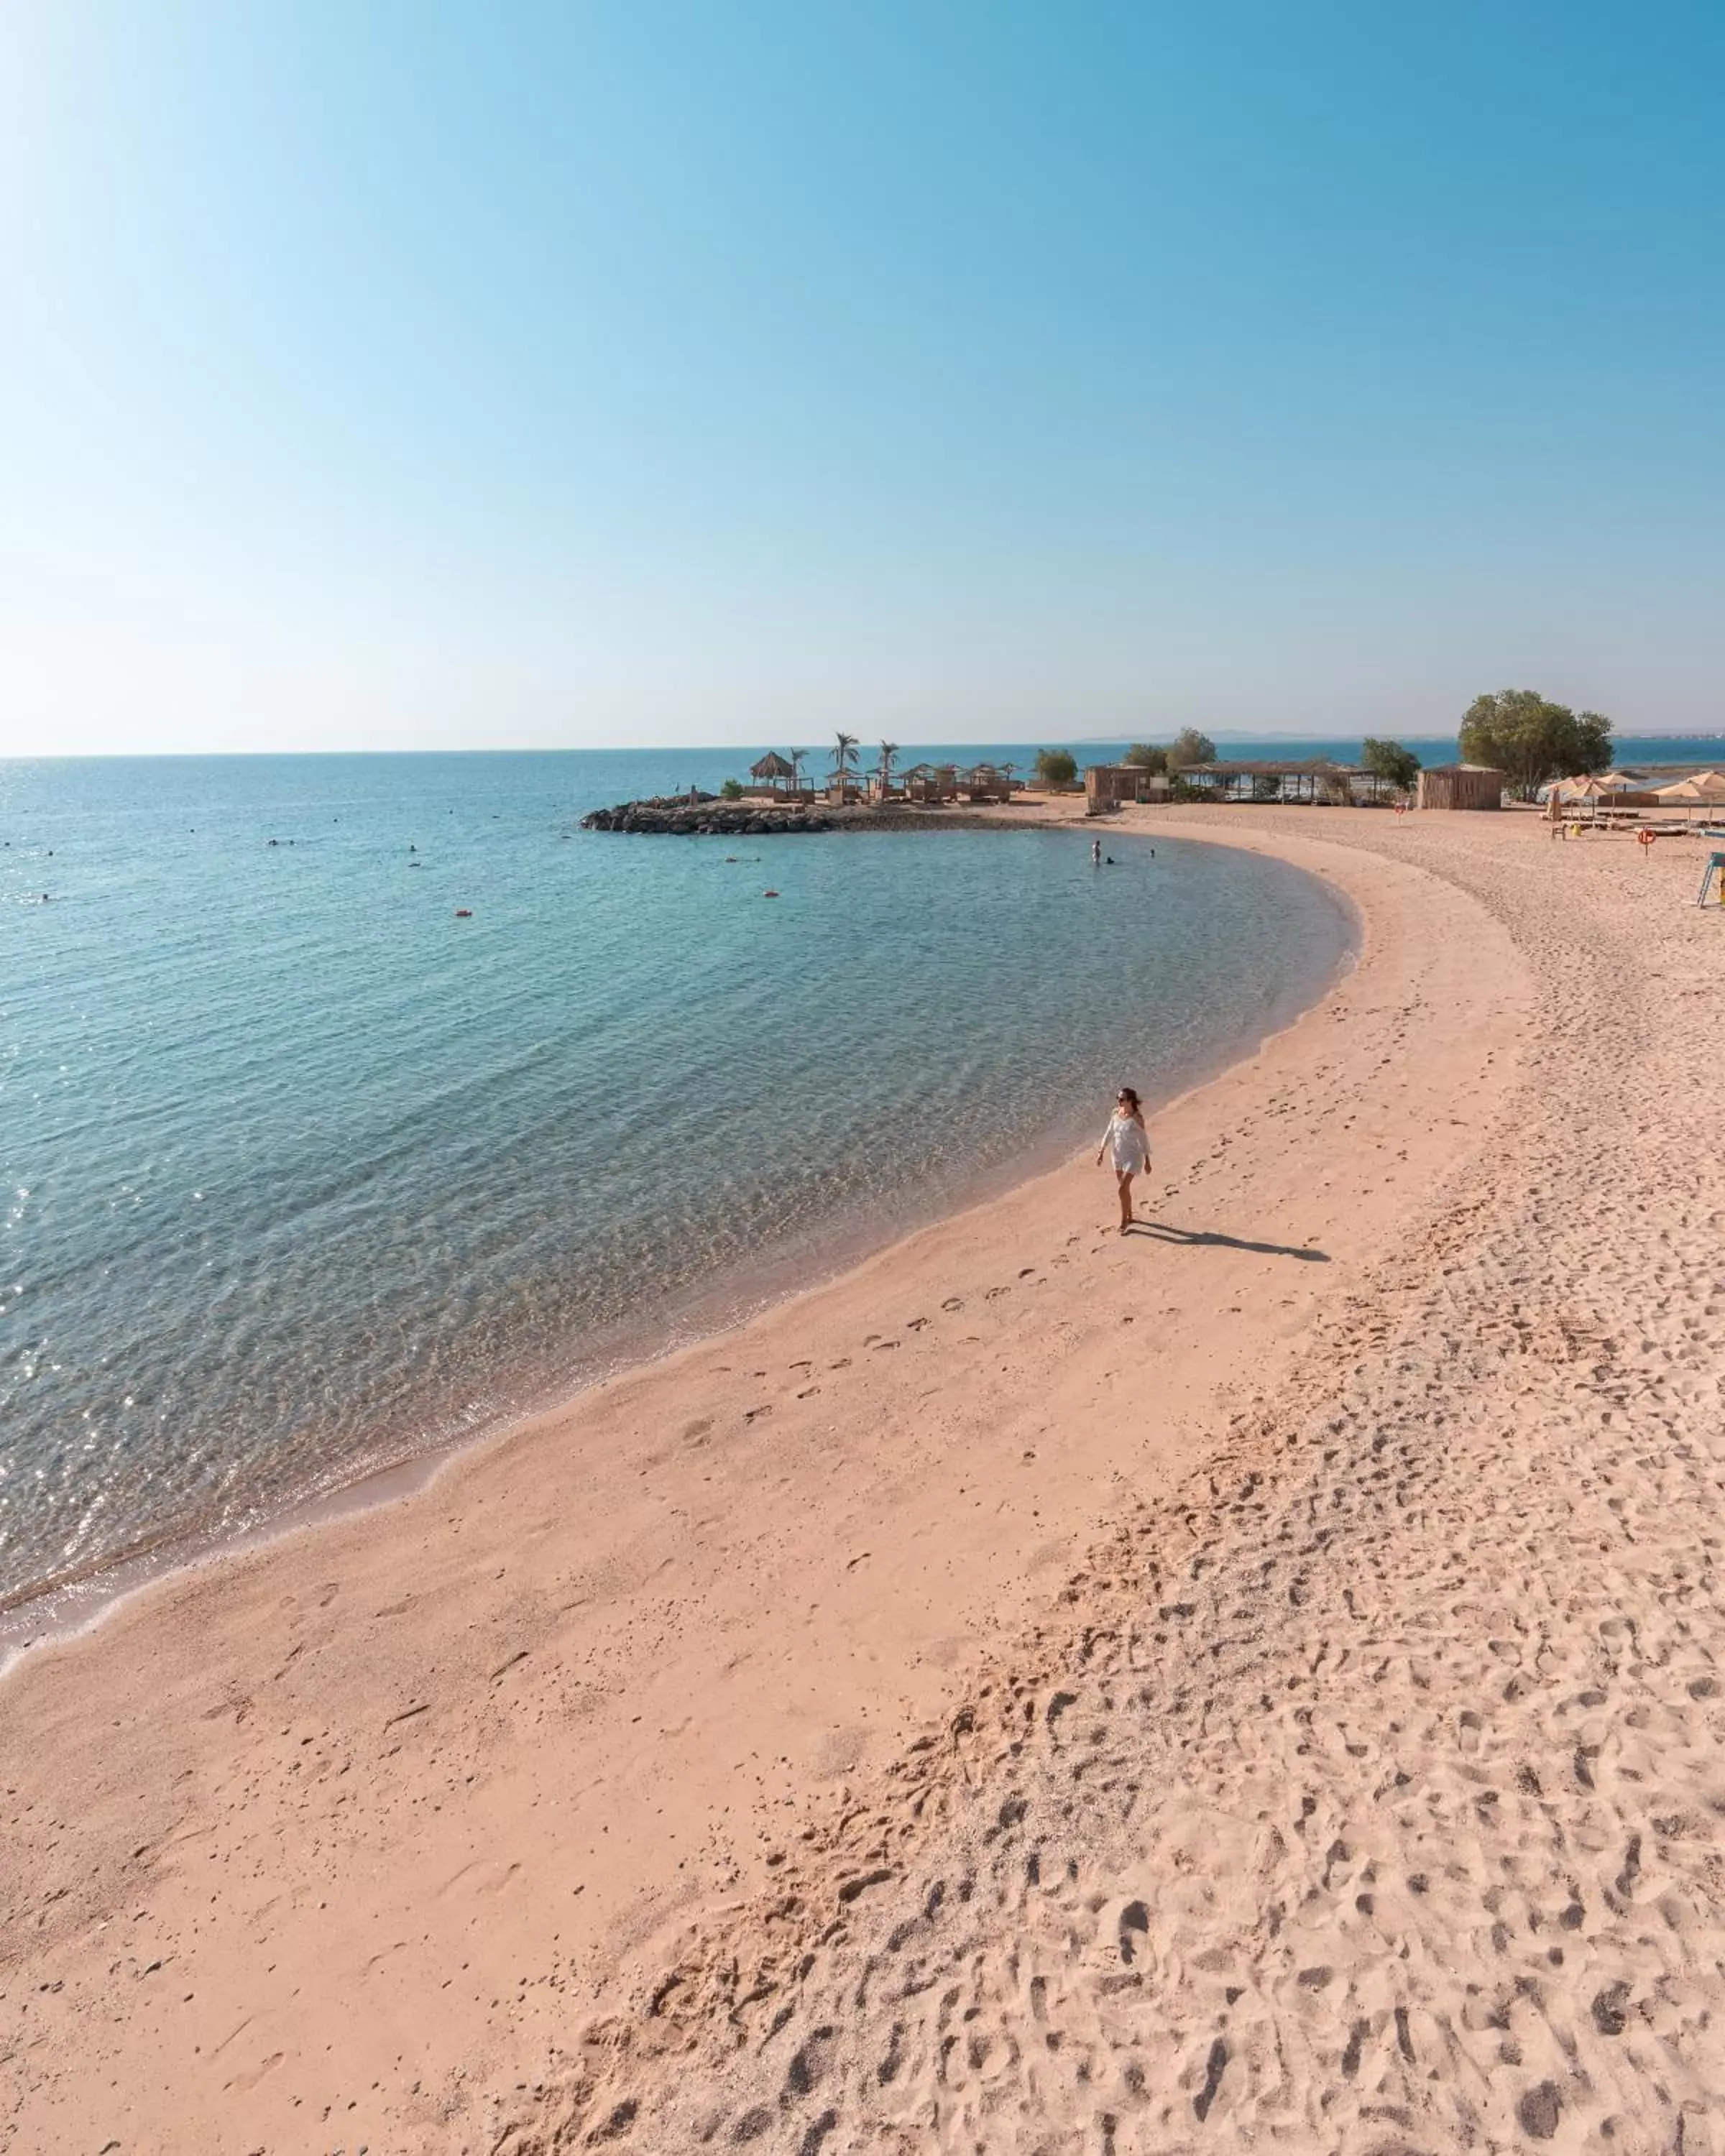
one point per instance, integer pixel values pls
(1044, 1689)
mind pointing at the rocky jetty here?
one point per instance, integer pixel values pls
(707, 816)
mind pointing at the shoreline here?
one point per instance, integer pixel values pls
(537, 1716)
(1367, 1780)
(73, 1608)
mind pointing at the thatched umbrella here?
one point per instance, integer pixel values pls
(1588, 786)
(773, 769)
(1700, 789)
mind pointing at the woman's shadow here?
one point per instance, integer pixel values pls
(1164, 1231)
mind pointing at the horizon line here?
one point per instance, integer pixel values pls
(703, 748)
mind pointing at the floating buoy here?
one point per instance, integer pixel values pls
(463, 913)
(769, 893)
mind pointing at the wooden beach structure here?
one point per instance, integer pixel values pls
(930, 783)
(984, 782)
(1308, 779)
(774, 772)
(1461, 786)
(1108, 786)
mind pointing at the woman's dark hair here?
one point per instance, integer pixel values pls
(1127, 1094)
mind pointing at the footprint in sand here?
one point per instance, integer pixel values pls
(249, 2079)
(953, 1302)
(486, 1875)
(915, 1324)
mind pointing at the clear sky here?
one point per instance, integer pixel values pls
(418, 375)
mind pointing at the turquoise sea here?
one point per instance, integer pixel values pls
(302, 1174)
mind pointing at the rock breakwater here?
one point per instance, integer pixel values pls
(705, 817)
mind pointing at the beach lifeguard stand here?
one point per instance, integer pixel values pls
(1712, 881)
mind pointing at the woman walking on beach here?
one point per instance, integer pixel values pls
(1127, 1143)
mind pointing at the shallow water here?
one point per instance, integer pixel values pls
(300, 1173)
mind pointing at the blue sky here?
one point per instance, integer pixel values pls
(395, 375)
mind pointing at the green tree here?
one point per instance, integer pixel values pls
(1531, 741)
(1056, 766)
(888, 750)
(731, 790)
(1189, 746)
(1146, 756)
(1388, 759)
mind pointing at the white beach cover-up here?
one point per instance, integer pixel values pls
(1128, 1148)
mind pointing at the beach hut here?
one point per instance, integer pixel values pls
(1306, 779)
(772, 771)
(1107, 785)
(984, 782)
(1461, 786)
(930, 783)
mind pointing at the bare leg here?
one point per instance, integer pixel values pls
(1126, 1201)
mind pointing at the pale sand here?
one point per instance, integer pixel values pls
(1357, 1791)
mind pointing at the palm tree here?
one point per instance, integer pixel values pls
(888, 750)
(799, 756)
(844, 755)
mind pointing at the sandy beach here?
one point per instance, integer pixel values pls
(1255, 1681)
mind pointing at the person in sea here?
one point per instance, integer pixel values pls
(1126, 1143)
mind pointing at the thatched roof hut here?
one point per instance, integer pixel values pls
(1461, 786)
(772, 768)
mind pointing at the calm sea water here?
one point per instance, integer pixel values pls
(301, 1174)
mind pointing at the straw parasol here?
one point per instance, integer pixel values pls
(1589, 786)
(1700, 788)
(774, 768)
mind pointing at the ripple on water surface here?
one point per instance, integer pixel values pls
(301, 1173)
